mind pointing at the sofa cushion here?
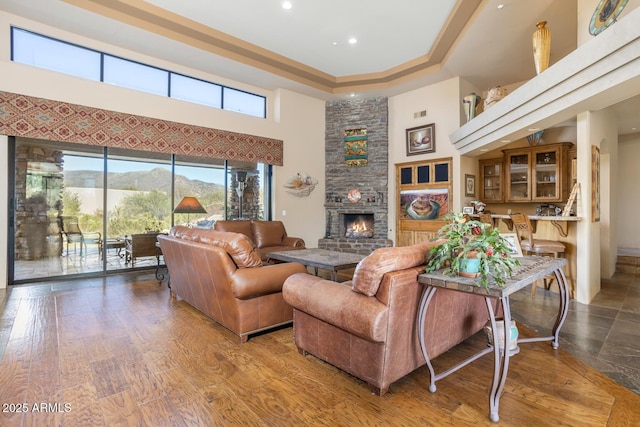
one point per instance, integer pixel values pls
(268, 233)
(238, 246)
(242, 226)
(369, 272)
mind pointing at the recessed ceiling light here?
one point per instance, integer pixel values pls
(335, 43)
(353, 40)
(352, 95)
(287, 5)
(500, 6)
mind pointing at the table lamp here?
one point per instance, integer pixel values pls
(189, 205)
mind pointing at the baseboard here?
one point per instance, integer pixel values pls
(629, 252)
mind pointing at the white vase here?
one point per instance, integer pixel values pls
(470, 104)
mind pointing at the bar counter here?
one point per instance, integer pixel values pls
(561, 223)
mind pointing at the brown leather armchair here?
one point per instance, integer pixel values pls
(268, 236)
(221, 274)
(368, 326)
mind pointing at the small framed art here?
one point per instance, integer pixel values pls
(470, 185)
(421, 140)
(513, 243)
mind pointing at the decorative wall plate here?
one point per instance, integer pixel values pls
(605, 14)
(354, 195)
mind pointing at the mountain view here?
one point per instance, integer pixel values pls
(155, 179)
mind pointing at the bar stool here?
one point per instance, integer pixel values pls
(486, 218)
(529, 245)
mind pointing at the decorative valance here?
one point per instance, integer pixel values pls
(26, 116)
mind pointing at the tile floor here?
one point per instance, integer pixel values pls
(604, 334)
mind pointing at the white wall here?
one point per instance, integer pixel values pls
(443, 104)
(303, 124)
(595, 129)
(628, 203)
(299, 122)
(606, 123)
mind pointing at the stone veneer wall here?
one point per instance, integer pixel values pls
(36, 218)
(371, 180)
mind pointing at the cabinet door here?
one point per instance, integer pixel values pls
(518, 177)
(546, 177)
(491, 181)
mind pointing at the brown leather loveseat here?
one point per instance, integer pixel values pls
(268, 236)
(368, 326)
(221, 274)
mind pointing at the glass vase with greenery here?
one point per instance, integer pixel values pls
(464, 238)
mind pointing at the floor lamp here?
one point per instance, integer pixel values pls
(189, 205)
(241, 177)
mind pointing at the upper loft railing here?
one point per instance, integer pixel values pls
(600, 73)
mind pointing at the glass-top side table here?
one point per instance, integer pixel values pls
(531, 269)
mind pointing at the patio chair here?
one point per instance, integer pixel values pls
(70, 229)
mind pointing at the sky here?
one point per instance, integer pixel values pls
(77, 163)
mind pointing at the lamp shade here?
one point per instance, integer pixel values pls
(189, 205)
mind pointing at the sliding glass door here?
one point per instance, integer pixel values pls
(78, 207)
(204, 180)
(58, 209)
(138, 203)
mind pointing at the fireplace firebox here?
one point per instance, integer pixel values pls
(358, 225)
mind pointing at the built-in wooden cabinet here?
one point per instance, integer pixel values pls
(423, 193)
(537, 174)
(491, 181)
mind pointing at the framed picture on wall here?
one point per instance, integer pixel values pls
(470, 185)
(595, 183)
(421, 140)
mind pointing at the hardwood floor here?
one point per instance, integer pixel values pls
(120, 351)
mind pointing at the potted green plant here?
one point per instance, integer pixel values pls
(464, 240)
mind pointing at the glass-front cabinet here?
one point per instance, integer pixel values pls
(491, 181)
(546, 175)
(518, 177)
(536, 174)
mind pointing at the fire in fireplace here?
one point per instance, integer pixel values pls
(358, 226)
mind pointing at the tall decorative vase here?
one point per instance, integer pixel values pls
(470, 103)
(541, 46)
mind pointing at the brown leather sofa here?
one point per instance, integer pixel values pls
(268, 236)
(368, 326)
(221, 274)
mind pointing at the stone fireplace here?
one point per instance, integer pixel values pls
(369, 179)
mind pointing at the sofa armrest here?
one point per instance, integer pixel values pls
(295, 242)
(338, 305)
(252, 282)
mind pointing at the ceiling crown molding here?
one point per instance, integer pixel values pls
(146, 16)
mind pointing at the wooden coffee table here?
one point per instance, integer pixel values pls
(319, 258)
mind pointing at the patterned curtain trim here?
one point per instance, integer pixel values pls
(26, 116)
